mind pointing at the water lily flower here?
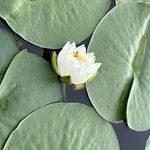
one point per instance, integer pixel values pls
(74, 65)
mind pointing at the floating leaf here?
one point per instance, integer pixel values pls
(148, 144)
(63, 127)
(145, 1)
(28, 85)
(8, 49)
(51, 23)
(123, 46)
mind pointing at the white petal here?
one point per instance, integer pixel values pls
(90, 55)
(94, 67)
(62, 60)
(63, 68)
(81, 49)
(77, 78)
(92, 70)
(90, 58)
(72, 46)
(66, 46)
(76, 73)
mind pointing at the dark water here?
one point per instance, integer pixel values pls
(128, 139)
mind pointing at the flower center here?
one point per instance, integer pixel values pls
(78, 56)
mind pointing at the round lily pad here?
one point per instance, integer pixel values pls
(122, 43)
(145, 1)
(8, 49)
(28, 84)
(148, 144)
(63, 126)
(51, 23)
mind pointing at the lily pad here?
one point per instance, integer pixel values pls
(28, 85)
(145, 1)
(148, 144)
(51, 23)
(8, 49)
(123, 46)
(63, 127)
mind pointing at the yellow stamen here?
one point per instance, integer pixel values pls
(78, 56)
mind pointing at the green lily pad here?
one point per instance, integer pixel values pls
(28, 85)
(122, 44)
(63, 127)
(51, 23)
(8, 49)
(120, 1)
(148, 144)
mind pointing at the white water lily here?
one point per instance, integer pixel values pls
(74, 62)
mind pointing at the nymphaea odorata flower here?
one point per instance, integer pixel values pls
(74, 65)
